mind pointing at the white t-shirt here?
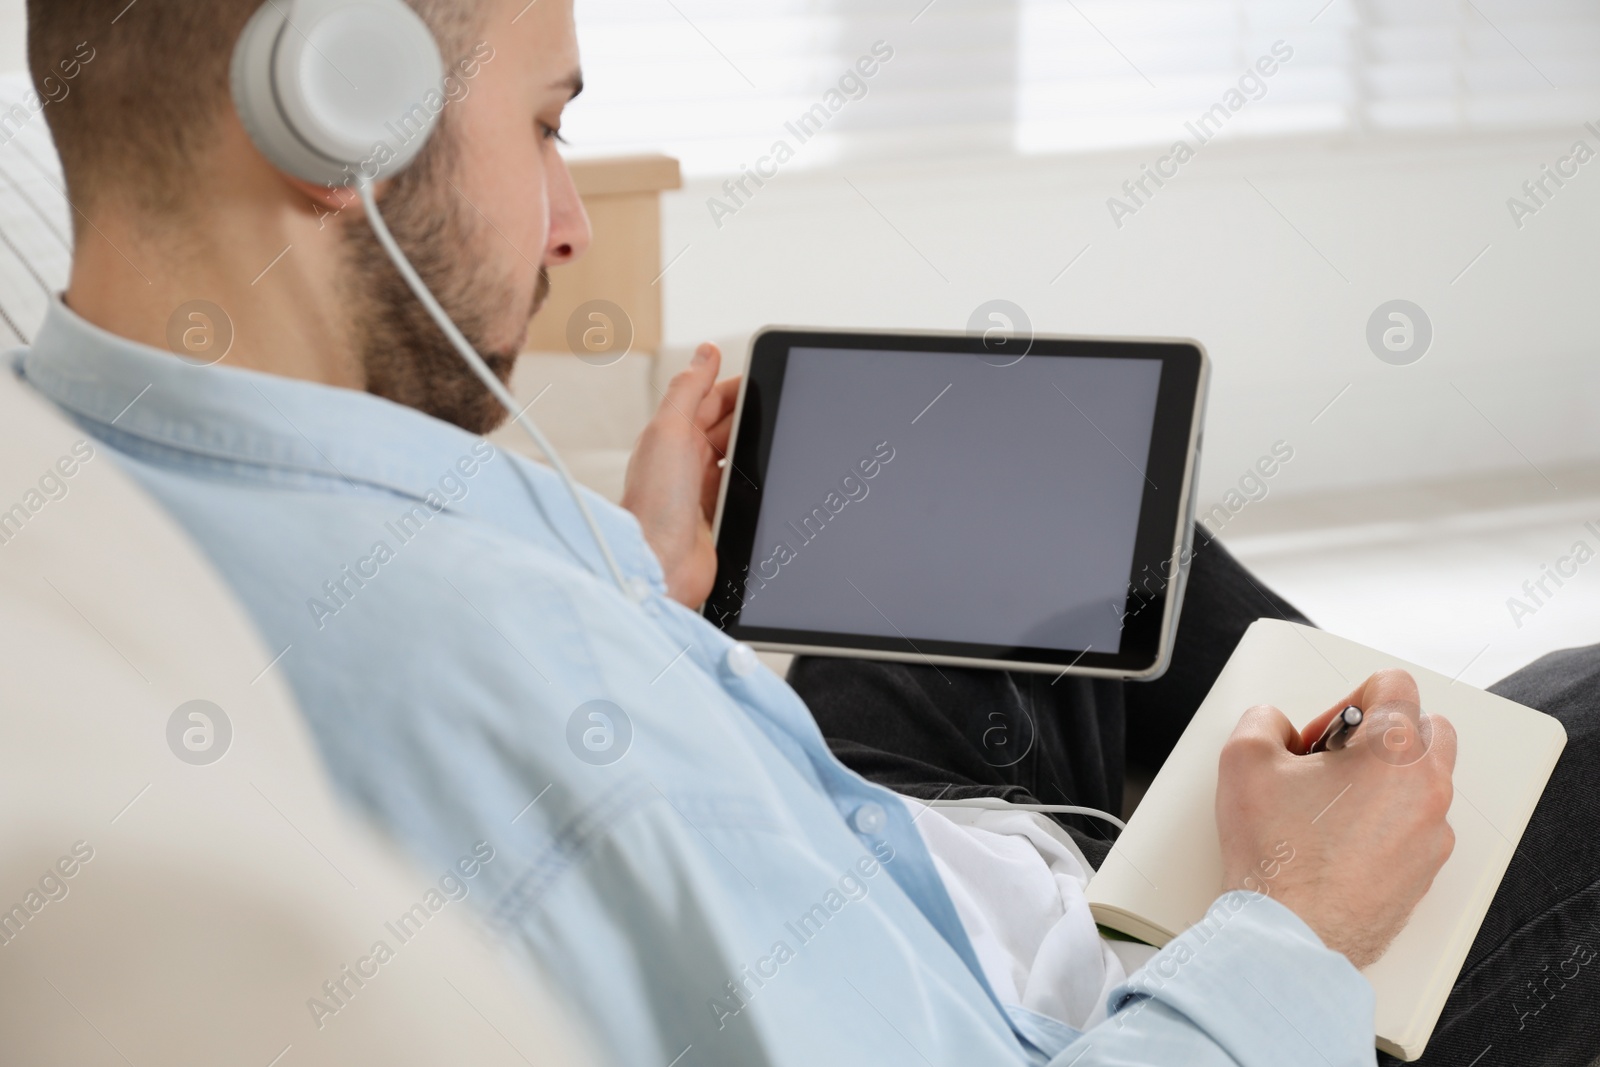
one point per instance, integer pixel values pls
(1017, 881)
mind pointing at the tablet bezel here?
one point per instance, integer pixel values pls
(1163, 544)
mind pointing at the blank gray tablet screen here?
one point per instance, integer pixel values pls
(938, 495)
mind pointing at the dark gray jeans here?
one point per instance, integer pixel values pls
(1530, 990)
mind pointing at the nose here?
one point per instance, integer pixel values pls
(569, 222)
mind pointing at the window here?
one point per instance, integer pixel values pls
(715, 82)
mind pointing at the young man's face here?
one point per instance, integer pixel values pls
(483, 212)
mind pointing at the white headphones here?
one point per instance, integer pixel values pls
(336, 91)
(345, 92)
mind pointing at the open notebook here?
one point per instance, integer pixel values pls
(1166, 868)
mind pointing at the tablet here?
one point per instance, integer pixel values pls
(942, 498)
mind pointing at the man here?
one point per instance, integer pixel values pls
(680, 849)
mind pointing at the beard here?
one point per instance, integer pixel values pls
(406, 357)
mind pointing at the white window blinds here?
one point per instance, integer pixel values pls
(716, 81)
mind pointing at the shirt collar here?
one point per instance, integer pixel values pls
(237, 416)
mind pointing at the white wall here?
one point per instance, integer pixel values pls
(13, 38)
(1207, 258)
(1210, 258)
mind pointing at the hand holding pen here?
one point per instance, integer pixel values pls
(1337, 732)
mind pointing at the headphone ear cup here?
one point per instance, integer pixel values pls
(338, 91)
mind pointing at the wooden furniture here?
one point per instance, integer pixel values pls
(593, 408)
(623, 264)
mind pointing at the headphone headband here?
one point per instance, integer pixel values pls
(338, 91)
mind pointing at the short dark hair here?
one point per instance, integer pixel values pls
(139, 115)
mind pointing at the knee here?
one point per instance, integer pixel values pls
(1564, 684)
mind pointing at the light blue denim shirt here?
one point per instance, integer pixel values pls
(674, 843)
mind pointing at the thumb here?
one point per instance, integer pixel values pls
(691, 386)
(1267, 726)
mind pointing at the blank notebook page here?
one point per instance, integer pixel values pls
(1166, 868)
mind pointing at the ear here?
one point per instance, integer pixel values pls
(335, 199)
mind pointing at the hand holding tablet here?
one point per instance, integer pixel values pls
(916, 497)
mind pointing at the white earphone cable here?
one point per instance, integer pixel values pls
(481, 369)
(996, 804)
(503, 395)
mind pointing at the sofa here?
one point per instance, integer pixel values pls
(178, 883)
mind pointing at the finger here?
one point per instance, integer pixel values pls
(1394, 716)
(718, 435)
(1442, 743)
(711, 481)
(711, 478)
(710, 489)
(1311, 733)
(1393, 685)
(1267, 725)
(719, 403)
(1389, 687)
(689, 387)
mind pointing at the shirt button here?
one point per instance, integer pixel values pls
(639, 589)
(742, 661)
(869, 819)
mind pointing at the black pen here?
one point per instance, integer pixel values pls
(1337, 731)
